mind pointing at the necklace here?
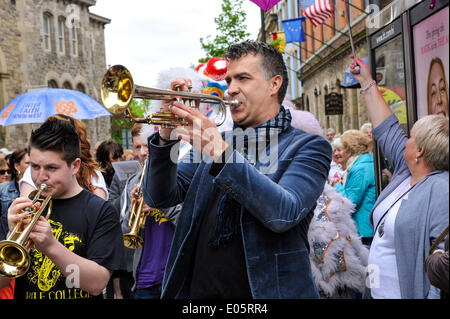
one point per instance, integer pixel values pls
(379, 227)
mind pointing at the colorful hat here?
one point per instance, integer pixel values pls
(215, 69)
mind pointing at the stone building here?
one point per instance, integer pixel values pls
(50, 43)
(317, 66)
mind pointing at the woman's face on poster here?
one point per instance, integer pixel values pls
(437, 91)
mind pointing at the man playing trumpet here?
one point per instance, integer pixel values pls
(242, 232)
(76, 250)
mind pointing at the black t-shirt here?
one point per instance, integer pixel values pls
(86, 225)
(218, 272)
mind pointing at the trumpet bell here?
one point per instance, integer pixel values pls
(117, 89)
(14, 259)
(132, 241)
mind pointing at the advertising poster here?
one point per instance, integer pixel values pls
(431, 55)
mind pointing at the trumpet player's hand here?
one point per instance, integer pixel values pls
(201, 132)
(181, 84)
(134, 198)
(16, 210)
(146, 209)
(42, 235)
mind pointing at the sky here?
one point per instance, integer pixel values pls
(148, 36)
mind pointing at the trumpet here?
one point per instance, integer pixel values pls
(15, 257)
(118, 90)
(137, 219)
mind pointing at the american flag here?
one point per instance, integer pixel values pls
(317, 10)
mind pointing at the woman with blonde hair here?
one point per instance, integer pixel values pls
(89, 176)
(413, 209)
(358, 183)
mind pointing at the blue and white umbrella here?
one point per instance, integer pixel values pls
(36, 106)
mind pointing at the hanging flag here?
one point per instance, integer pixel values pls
(279, 41)
(317, 11)
(293, 29)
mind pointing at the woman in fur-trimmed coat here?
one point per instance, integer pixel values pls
(338, 257)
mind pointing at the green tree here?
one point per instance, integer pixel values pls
(231, 29)
(120, 122)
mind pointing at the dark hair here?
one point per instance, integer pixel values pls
(13, 158)
(272, 62)
(88, 165)
(103, 150)
(102, 155)
(57, 136)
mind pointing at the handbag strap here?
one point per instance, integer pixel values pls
(438, 240)
(392, 205)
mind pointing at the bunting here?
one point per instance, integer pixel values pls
(279, 41)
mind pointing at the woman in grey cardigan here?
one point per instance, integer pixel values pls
(413, 209)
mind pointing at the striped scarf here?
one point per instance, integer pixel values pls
(249, 143)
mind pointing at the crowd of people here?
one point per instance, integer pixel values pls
(272, 208)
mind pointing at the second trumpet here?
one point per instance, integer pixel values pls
(132, 239)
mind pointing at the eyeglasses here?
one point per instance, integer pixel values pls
(4, 171)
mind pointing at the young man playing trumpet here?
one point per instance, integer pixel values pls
(78, 247)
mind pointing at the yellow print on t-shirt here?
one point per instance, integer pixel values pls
(43, 271)
(159, 216)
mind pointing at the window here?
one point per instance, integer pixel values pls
(46, 32)
(336, 16)
(80, 87)
(52, 84)
(126, 139)
(67, 85)
(60, 35)
(313, 39)
(73, 40)
(390, 75)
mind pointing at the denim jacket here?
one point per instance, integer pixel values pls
(277, 208)
(8, 193)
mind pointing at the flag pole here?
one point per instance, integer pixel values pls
(306, 50)
(337, 30)
(263, 27)
(350, 35)
(319, 40)
(359, 9)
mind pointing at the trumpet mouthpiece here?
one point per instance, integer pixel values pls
(233, 103)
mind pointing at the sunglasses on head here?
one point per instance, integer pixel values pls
(4, 171)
